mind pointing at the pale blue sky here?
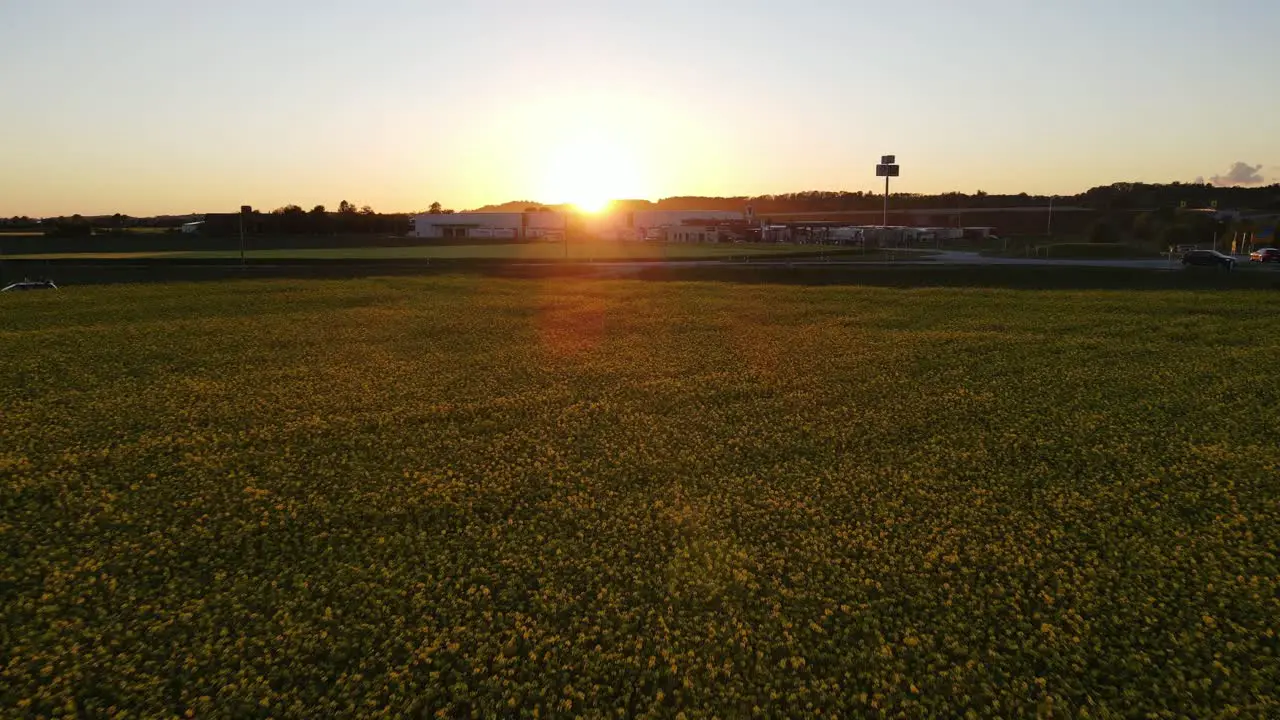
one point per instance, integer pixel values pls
(147, 106)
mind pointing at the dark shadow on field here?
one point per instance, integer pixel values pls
(70, 272)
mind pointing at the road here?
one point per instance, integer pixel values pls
(944, 257)
(68, 272)
(959, 257)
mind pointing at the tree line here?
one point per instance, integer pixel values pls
(1116, 197)
(1171, 227)
(294, 220)
(287, 220)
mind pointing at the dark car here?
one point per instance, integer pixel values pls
(1211, 258)
(1265, 255)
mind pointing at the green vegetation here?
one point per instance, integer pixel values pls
(1169, 227)
(483, 497)
(1104, 231)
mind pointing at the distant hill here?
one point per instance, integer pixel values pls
(1117, 196)
(522, 205)
(515, 206)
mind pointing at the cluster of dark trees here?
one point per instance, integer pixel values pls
(348, 220)
(82, 226)
(19, 223)
(287, 220)
(1147, 196)
(73, 226)
(1170, 227)
(1118, 196)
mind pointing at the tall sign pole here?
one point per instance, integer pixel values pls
(884, 221)
(887, 169)
(244, 211)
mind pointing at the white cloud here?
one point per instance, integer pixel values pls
(1241, 173)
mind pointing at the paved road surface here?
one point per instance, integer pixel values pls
(907, 257)
(958, 257)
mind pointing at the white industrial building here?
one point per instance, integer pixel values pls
(676, 226)
(691, 233)
(614, 225)
(539, 224)
(658, 224)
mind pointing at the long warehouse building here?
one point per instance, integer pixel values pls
(543, 223)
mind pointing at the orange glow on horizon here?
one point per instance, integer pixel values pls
(590, 171)
(593, 205)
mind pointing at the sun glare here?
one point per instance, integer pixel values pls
(590, 172)
(589, 204)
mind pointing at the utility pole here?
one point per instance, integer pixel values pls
(1049, 229)
(244, 210)
(885, 221)
(886, 169)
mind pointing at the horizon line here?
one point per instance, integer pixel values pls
(744, 198)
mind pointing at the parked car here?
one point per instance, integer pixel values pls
(1211, 258)
(1265, 255)
(30, 285)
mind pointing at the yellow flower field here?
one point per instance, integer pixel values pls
(467, 497)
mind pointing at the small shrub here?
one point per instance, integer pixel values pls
(1104, 232)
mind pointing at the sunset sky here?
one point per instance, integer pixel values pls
(157, 106)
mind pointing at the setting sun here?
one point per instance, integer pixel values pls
(591, 171)
(591, 204)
